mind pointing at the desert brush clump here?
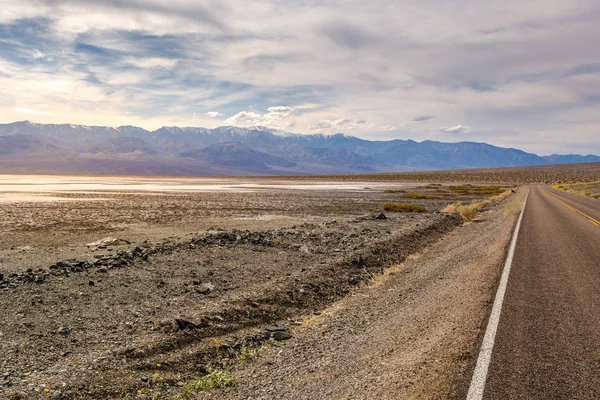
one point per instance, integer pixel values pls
(468, 190)
(422, 196)
(401, 207)
(431, 186)
(468, 211)
(394, 191)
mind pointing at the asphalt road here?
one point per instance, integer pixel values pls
(548, 339)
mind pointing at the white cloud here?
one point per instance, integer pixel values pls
(244, 118)
(339, 125)
(213, 114)
(454, 129)
(27, 111)
(277, 117)
(152, 63)
(306, 107)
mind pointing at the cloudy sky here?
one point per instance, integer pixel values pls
(516, 73)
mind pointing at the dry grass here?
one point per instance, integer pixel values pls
(470, 190)
(394, 191)
(422, 196)
(399, 207)
(587, 189)
(469, 211)
(501, 196)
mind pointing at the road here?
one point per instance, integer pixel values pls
(547, 344)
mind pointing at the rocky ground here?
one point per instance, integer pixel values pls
(288, 292)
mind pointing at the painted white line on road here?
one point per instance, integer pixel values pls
(485, 354)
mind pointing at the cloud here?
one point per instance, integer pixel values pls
(152, 62)
(278, 117)
(422, 118)
(244, 118)
(28, 111)
(339, 125)
(455, 129)
(306, 107)
(213, 114)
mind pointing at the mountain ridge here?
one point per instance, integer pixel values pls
(228, 150)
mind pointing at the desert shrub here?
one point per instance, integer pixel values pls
(394, 191)
(421, 196)
(399, 207)
(467, 212)
(478, 190)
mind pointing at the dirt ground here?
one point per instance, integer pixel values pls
(288, 290)
(546, 174)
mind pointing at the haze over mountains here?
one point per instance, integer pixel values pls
(27, 147)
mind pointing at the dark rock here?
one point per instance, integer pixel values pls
(381, 216)
(70, 264)
(63, 331)
(91, 283)
(183, 324)
(177, 324)
(281, 335)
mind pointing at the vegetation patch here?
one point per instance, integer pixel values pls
(394, 191)
(216, 378)
(467, 212)
(422, 196)
(587, 189)
(399, 207)
(470, 190)
(513, 205)
(431, 186)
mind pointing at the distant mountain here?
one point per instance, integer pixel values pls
(64, 148)
(237, 155)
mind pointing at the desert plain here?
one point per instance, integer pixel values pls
(250, 288)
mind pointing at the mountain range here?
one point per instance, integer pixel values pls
(27, 147)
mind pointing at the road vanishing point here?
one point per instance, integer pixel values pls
(543, 336)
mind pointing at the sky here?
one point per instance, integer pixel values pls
(513, 73)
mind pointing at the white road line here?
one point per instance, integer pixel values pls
(485, 354)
